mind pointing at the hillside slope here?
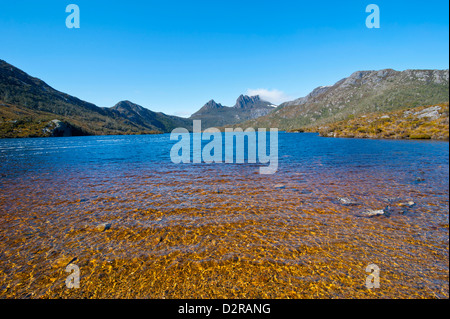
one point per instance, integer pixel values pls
(362, 92)
(29, 100)
(423, 122)
(149, 119)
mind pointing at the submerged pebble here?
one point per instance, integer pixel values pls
(406, 204)
(347, 201)
(63, 261)
(102, 227)
(372, 213)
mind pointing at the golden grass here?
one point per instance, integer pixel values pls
(394, 125)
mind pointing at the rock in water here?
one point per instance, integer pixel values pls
(63, 261)
(395, 210)
(347, 201)
(372, 213)
(407, 204)
(103, 227)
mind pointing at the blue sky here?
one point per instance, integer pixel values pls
(174, 56)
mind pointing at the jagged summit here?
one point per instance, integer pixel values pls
(245, 101)
(246, 107)
(211, 105)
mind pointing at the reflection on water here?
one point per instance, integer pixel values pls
(223, 230)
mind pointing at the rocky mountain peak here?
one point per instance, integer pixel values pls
(245, 101)
(211, 105)
(127, 104)
(247, 107)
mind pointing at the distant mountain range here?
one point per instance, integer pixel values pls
(30, 107)
(246, 108)
(362, 92)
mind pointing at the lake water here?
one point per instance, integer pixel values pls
(233, 232)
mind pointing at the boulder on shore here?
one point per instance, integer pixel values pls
(57, 128)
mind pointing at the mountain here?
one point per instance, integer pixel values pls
(210, 106)
(252, 102)
(362, 92)
(149, 119)
(246, 108)
(28, 106)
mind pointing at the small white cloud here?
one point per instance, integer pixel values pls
(274, 96)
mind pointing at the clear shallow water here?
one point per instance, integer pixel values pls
(307, 153)
(308, 161)
(53, 187)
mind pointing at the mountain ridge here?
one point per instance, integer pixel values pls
(28, 104)
(32, 96)
(361, 92)
(246, 107)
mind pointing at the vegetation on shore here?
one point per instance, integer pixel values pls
(423, 122)
(19, 122)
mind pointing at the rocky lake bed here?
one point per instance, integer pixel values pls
(138, 226)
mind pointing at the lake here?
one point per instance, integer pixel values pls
(223, 230)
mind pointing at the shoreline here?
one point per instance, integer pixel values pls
(429, 122)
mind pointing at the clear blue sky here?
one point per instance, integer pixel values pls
(174, 56)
